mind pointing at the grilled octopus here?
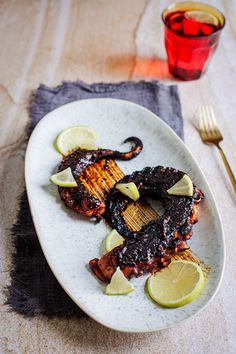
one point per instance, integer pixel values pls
(78, 198)
(149, 249)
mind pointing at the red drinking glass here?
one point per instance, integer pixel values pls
(192, 31)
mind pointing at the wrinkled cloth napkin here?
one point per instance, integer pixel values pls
(34, 289)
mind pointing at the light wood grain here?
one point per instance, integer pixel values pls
(97, 40)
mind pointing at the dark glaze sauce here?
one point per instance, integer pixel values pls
(157, 237)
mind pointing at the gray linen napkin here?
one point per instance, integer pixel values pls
(34, 289)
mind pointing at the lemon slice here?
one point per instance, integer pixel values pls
(201, 16)
(183, 187)
(64, 178)
(76, 137)
(119, 285)
(129, 189)
(176, 285)
(113, 239)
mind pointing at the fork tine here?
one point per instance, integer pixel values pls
(202, 129)
(200, 119)
(201, 123)
(214, 122)
(210, 121)
(215, 127)
(205, 119)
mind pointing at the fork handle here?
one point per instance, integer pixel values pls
(228, 168)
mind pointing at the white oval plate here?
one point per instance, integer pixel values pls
(69, 241)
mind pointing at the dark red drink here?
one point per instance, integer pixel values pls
(192, 33)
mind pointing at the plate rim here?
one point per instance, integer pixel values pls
(172, 133)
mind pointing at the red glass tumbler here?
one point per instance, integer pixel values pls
(192, 31)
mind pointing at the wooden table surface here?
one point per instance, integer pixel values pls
(98, 40)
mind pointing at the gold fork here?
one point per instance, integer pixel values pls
(210, 134)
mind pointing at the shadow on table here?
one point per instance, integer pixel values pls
(139, 67)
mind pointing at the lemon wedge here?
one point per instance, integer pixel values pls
(129, 189)
(177, 285)
(203, 17)
(113, 239)
(183, 187)
(119, 285)
(76, 137)
(64, 178)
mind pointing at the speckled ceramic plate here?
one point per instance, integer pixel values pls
(70, 241)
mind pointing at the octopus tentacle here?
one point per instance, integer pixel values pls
(149, 249)
(116, 205)
(137, 148)
(78, 198)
